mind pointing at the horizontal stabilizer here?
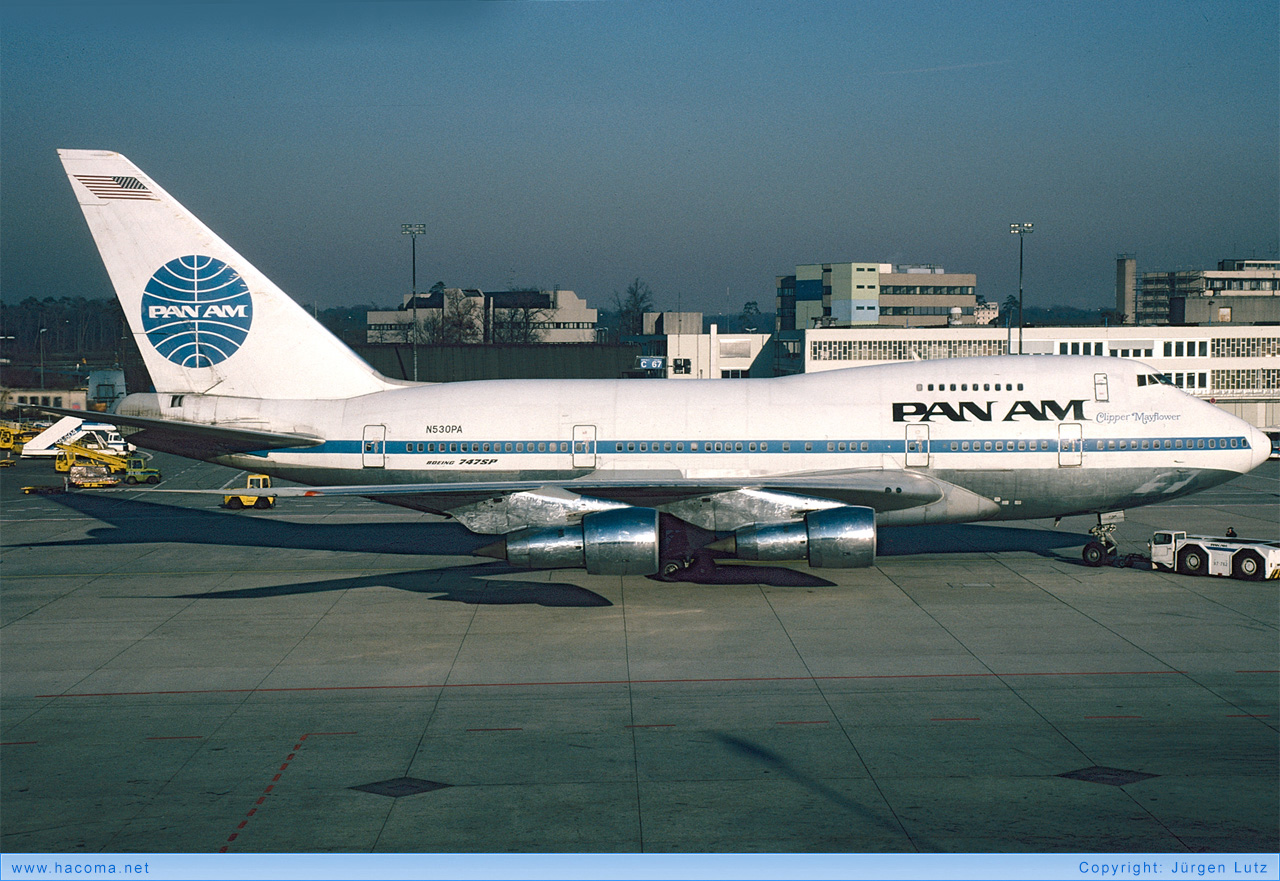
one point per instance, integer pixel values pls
(192, 439)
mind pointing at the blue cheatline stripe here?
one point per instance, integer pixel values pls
(772, 447)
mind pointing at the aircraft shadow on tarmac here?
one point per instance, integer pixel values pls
(861, 814)
(459, 584)
(134, 521)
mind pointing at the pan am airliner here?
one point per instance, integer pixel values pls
(631, 476)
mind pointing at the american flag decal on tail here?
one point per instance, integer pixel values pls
(106, 186)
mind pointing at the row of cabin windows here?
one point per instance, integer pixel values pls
(999, 446)
(41, 400)
(476, 447)
(736, 446)
(832, 446)
(964, 386)
(1176, 444)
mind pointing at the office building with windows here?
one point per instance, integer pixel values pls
(554, 316)
(868, 294)
(1237, 292)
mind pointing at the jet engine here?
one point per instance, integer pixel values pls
(623, 541)
(636, 541)
(835, 538)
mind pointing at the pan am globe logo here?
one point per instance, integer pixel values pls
(196, 311)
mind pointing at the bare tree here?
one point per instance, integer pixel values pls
(460, 319)
(522, 324)
(631, 309)
(521, 319)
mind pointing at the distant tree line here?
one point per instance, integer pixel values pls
(66, 325)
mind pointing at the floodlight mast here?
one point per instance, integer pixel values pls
(413, 230)
(1020, 230)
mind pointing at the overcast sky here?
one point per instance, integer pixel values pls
(703, 147)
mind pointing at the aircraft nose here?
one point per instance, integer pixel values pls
(1259, 447)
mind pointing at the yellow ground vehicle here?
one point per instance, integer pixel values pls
(134, 468)
(14, 434)
(254, 481)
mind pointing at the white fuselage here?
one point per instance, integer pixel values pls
(1037, 436)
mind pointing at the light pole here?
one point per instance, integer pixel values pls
(43, 331)
(413, 230)
(1020, 230)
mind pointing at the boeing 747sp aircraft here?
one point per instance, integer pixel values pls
(631, 476)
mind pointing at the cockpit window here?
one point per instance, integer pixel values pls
(1154, 379)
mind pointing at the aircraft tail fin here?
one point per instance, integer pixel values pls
(205, 319)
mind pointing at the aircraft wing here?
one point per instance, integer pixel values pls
(882, 490)
(191, 439)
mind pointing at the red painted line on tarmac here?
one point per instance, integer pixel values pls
(316, 688)
(19, 742)
(272, 785)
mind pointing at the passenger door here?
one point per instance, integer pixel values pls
(373, 452)
(584, 446)
(917, 445)
(1100, 387)
(1070, 443)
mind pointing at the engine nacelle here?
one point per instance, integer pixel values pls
(837, 538)
(619, 542)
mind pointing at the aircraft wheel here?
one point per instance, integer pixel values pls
(1247, 566)
(673, 567)
(1094, 554)
(234, 503)
(1192, 560)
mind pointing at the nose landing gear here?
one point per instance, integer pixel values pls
(1103, 547)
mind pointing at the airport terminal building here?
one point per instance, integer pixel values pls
(1235, 367)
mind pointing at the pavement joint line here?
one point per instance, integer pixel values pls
(627, 682)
